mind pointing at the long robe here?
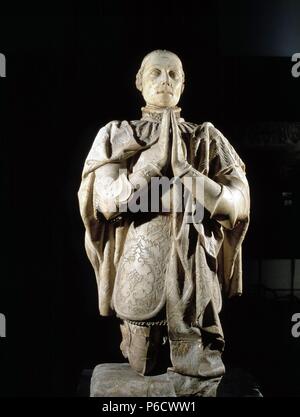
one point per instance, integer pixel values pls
(204, 259)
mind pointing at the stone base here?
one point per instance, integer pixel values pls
(119, 380)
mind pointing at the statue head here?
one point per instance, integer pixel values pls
(161, 78)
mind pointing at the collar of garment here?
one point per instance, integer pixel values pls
(154, 114)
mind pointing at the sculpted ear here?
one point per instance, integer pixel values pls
(182, 87)
(138, 81)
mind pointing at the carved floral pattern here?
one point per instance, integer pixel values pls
(141, 273)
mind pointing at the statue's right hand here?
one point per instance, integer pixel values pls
(163, 144)
(159, 153)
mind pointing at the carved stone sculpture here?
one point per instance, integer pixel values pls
(165, 204)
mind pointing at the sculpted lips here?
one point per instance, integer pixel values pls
(165, 92)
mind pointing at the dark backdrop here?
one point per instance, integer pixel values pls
(68, 75)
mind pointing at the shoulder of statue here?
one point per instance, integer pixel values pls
(203, 132)
(115, 130)
(220, 146)
(126, 132)
(116, 124)
(208, 131)
(214, 141)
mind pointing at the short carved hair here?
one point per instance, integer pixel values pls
(139, 75)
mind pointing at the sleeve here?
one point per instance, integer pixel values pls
(228, 170)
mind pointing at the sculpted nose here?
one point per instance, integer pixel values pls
(165, 78)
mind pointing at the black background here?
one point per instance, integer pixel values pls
(70, 73)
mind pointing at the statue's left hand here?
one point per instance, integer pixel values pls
(179, 163)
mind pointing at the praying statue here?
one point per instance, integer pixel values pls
(165, 205)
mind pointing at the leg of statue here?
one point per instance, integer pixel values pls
(145, 347)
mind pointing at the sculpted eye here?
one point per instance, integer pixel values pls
(155, 72)
(173, 74)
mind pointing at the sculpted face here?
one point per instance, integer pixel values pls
(162, 80)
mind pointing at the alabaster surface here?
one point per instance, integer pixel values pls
(165, 255)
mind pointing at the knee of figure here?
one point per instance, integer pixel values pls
(125, 343)
(140, 345)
